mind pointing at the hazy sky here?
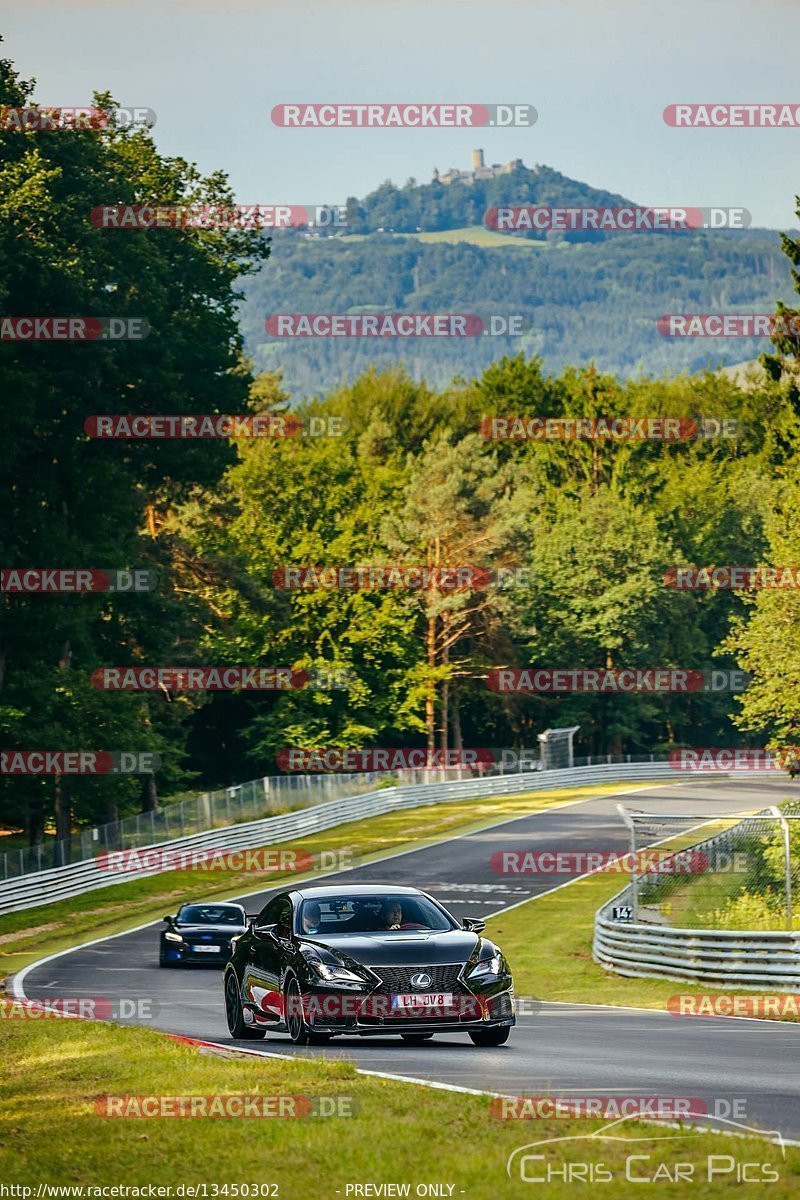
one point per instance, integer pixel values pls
(599, 73)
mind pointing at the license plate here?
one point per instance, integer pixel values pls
(424, 1000)
(206, 949)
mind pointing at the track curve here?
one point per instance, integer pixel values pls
(564, 1049)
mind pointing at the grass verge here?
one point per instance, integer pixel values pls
(50, 1132)
(548, 942)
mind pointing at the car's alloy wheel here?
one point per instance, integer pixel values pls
(490, 1037)
(416, 1039)
(299, 1032)
(233, 1012)
(163, 961)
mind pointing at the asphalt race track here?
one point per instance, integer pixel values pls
(561, 1049)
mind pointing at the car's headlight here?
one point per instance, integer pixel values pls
(338, 974)
(488, 967)
(173, 937)
(332, 973)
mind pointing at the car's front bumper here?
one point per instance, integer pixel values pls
(373, 1014)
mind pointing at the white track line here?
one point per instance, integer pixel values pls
(435, 1085)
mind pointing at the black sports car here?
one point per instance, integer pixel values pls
(320, 961)
(201, 933)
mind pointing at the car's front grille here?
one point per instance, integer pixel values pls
(196, 941)
(215, 938)
(443, 977)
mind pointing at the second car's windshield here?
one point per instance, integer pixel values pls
(210, 914)
(371, 914)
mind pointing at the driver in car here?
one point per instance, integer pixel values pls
(391, 914)
(312, 915)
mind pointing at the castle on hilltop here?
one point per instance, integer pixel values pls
(479, 170)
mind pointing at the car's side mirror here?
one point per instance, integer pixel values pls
(169, 920)
(473, 924)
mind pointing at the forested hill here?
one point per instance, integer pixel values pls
(435, 206)
(591, 301)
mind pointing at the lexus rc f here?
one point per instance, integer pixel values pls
(322, 961)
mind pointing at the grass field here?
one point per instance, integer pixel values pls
(476, 235)
(479, 235)
(57, 1073)
(548, 942)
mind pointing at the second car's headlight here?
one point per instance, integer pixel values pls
(173, 937)
(488, 967)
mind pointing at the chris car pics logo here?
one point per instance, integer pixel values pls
(617, 1152)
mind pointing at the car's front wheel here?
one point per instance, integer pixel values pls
(163, 961)
(299, 1031)
(233, 1012)
(490, 1037)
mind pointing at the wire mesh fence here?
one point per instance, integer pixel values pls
(248, 801)
(744, 874)
(255, 799)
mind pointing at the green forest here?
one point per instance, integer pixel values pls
(583, 296)
(403, 476)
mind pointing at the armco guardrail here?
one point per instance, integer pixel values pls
(717, 956)
(44, 887)
(721, 957)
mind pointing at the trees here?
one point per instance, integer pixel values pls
(73, 501)
(461, 508)
(408, 480)
(765, 640)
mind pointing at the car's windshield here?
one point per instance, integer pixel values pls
(211, 914)
(372, 914)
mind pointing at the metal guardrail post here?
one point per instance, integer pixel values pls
(631, 827)
(787, 861)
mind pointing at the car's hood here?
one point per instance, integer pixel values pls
(400, 948)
